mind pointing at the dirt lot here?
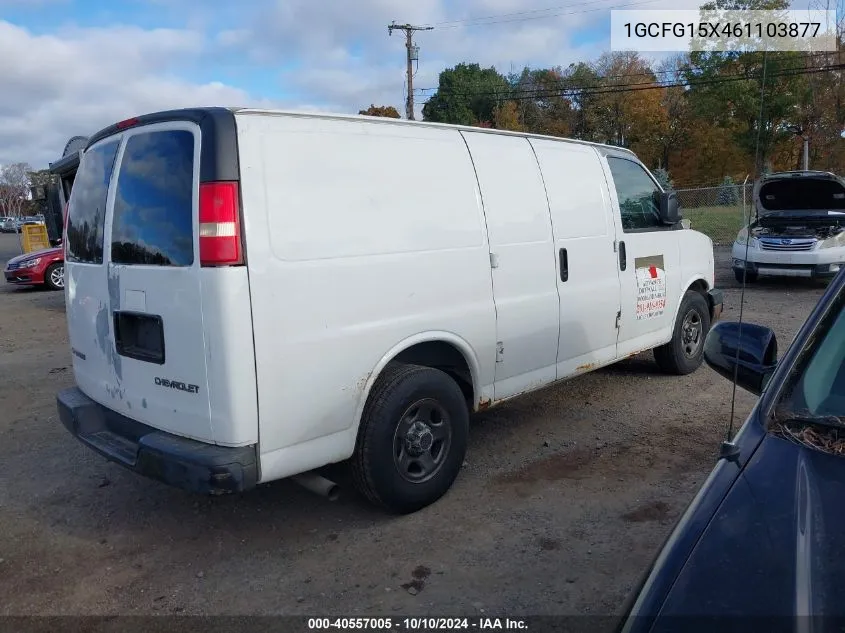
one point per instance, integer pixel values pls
(562, 503)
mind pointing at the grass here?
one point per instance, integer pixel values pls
(721, 224)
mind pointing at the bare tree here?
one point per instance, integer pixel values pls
(14, 187)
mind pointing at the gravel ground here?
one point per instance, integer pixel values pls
(565, 497)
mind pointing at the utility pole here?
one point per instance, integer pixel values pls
(806, 153)
(413, 54)
(802, 133)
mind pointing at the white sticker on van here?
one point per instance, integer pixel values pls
(651, 287)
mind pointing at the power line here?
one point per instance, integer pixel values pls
(465, 23)
(534, 94)
(564, 82)
(533, 13)
(575, 92)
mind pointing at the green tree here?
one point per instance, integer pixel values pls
(506, 117)
(384, 111)
(542, 106)
(736, 104)
(675, 117)
(580, 80)
(619, 115)
(664, 179)
(728, 193)
(467, 95)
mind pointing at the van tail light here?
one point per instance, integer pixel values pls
(127, 123)
(220, 224)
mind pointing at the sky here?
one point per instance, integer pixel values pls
(72, 67)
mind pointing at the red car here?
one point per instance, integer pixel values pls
(45, 267)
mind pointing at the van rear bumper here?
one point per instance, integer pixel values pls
(178, 461)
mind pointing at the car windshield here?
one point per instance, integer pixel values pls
(811, 407)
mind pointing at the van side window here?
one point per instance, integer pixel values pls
(153, 209)
(637, 195)
(87, 208)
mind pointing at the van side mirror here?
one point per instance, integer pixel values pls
(757, 358)
(670, 209)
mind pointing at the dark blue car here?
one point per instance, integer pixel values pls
(762, 545)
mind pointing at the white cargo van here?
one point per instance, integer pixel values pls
(252, 295)
(798, 227)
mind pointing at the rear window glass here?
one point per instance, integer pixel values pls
(153, 208)
(802, 194)
(87, 208)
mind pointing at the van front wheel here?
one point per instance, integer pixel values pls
(684, 353)
(412, 439)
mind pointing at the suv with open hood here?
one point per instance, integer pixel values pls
(798, 227)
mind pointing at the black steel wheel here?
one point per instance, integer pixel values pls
(685, 352)
(412, 439)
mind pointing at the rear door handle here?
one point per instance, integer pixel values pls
(623, 259)
(564, 265)
(139, 336)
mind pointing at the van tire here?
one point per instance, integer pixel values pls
(685, 352)
(380, 450)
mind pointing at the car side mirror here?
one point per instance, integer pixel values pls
(670, 208)
(750, 351)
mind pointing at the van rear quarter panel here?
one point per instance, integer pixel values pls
(359, 235)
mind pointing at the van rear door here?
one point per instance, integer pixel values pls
(135, 289)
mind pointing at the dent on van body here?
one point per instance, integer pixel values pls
(113, 278)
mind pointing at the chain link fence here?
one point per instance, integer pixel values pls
(717, 211)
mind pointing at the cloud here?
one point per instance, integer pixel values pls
(347, 60)
(57, 82)
(80, 80)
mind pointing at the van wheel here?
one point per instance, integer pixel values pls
(412, 439)
(684, 353)
(54, 276)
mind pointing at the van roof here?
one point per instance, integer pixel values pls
(392, 121)
(197, 114)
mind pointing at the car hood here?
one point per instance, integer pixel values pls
(43, 252)
(800, 194)
(799, 497)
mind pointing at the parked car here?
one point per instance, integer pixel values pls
(10, 225)
(354, 315)
(759, 547)
(43, 267)
(29, 220)
(13, 225)
(798, 227)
